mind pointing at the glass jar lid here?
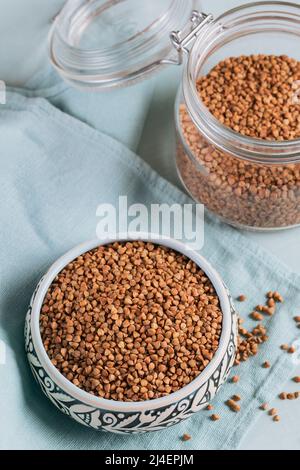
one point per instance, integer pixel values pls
(99, 44)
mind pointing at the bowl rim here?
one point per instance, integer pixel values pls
(118, 406)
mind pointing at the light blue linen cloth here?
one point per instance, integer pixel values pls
(55, 171)
(118, 114)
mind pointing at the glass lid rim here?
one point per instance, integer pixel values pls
(62, 15)
(89, 63)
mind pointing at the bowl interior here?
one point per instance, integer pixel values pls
(112, 405)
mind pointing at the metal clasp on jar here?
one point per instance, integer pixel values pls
(182, 39)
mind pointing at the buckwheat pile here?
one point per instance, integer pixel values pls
(256, 96)
(131, 321)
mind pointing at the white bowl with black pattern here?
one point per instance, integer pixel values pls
(131, 417)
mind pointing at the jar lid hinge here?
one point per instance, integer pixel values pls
(182, 39)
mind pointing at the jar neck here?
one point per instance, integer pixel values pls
(250, 19)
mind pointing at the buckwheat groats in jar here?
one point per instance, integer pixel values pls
(256, 97)
(131, 321)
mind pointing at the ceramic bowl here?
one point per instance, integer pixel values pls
(131, 417)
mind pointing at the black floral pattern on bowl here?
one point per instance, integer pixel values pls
(131, 422)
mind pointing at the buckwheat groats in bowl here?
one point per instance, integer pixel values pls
(131, 321)
(252, 101)
(131, 336)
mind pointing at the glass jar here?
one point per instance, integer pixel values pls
(99, 44)
(249, 183)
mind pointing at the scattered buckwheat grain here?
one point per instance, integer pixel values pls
(276, 296)
(233, 405)
(266, 365)
(215, 417)
(256, 316)
(264, 406)
(236, 398)
(293, 396)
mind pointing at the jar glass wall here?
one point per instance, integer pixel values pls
(249, 183)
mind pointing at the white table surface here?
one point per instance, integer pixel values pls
(23, 28)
